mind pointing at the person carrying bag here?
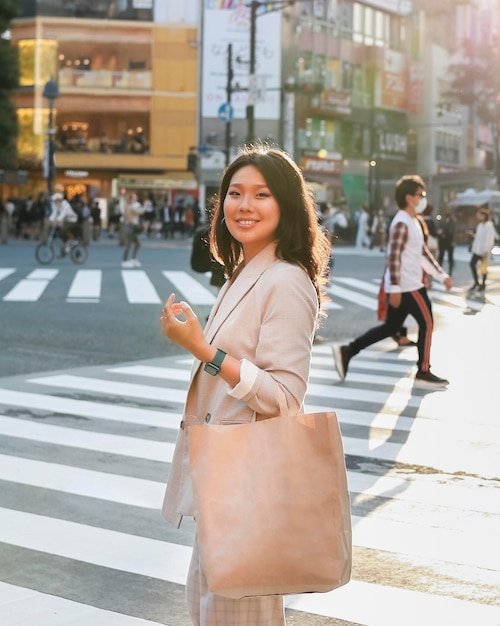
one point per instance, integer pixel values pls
(248, 381)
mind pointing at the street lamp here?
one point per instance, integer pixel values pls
(51, 92)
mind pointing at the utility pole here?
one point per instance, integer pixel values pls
(229, 93)
(51, 92)
(252, 78)
(277, 5)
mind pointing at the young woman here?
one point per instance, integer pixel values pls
(258, 337)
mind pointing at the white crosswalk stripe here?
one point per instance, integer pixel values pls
(112, 442)
(86, 286)
(139, 288)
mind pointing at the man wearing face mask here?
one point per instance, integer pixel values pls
(408, 257)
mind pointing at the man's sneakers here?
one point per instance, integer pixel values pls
(430, 379)
(341, 356)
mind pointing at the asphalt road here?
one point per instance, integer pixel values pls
(55, 332)
(90, 398)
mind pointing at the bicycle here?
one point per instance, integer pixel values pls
(53, 246)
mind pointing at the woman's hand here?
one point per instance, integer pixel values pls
(186, 333)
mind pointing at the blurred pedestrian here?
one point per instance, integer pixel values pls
(483, 242)
(432, 233)
(132, 224)
(407, 257)
(447, 232)
(379, 231)
(4, 223)
(362, 232)
(96, 220)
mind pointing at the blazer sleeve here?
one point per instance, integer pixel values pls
(287, 305)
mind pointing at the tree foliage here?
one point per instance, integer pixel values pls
(9, 80)
(476, 83)
(476, 78)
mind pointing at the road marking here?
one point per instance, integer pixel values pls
(193, 291)
(397, 521)
(86, 286)
(82, 482)
(149, 493)
(368, 604)
(46, 274)
(358, 284)
(97, 410)
(26, 606)
(139, 288)
(336, 291)
(152, 371)
(112, 388)
(32, 287)
(88, 544)
(6, 271)
(87, 440)
(379, 605)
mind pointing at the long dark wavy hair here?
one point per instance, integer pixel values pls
(299, 238)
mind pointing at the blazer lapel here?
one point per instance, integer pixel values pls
(235, 291)
(232, 293)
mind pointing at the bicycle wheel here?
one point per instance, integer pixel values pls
(45, 253)
(78, 253)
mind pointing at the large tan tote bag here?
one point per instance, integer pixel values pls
(272, 506)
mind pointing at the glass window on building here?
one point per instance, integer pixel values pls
(105, 66)
(139, 10)
(347, 76)
(346, 19)
(371, 27)
(317, 134)
(124, 133)
(350, 142)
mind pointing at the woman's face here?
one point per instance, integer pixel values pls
(252, 213)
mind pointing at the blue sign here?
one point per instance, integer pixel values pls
(226, 112)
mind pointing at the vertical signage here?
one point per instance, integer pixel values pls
(394, 81)
(229, 23)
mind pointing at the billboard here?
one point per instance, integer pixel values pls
(228, 22)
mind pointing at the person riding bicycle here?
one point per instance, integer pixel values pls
(63, 217)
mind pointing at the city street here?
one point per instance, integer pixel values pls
(91, 395)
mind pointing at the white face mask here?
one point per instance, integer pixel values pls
(421, 206)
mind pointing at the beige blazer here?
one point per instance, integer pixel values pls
(266, 315)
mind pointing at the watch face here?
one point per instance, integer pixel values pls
(211, 369)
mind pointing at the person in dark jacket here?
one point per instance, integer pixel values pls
(446, 233)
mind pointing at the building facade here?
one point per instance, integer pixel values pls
(353, 90)
(126, 113)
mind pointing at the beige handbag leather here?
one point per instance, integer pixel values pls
(272, 505)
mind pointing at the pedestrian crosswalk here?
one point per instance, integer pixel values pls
(84, 459)
(140, 286)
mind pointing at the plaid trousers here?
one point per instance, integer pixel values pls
(208, 609)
